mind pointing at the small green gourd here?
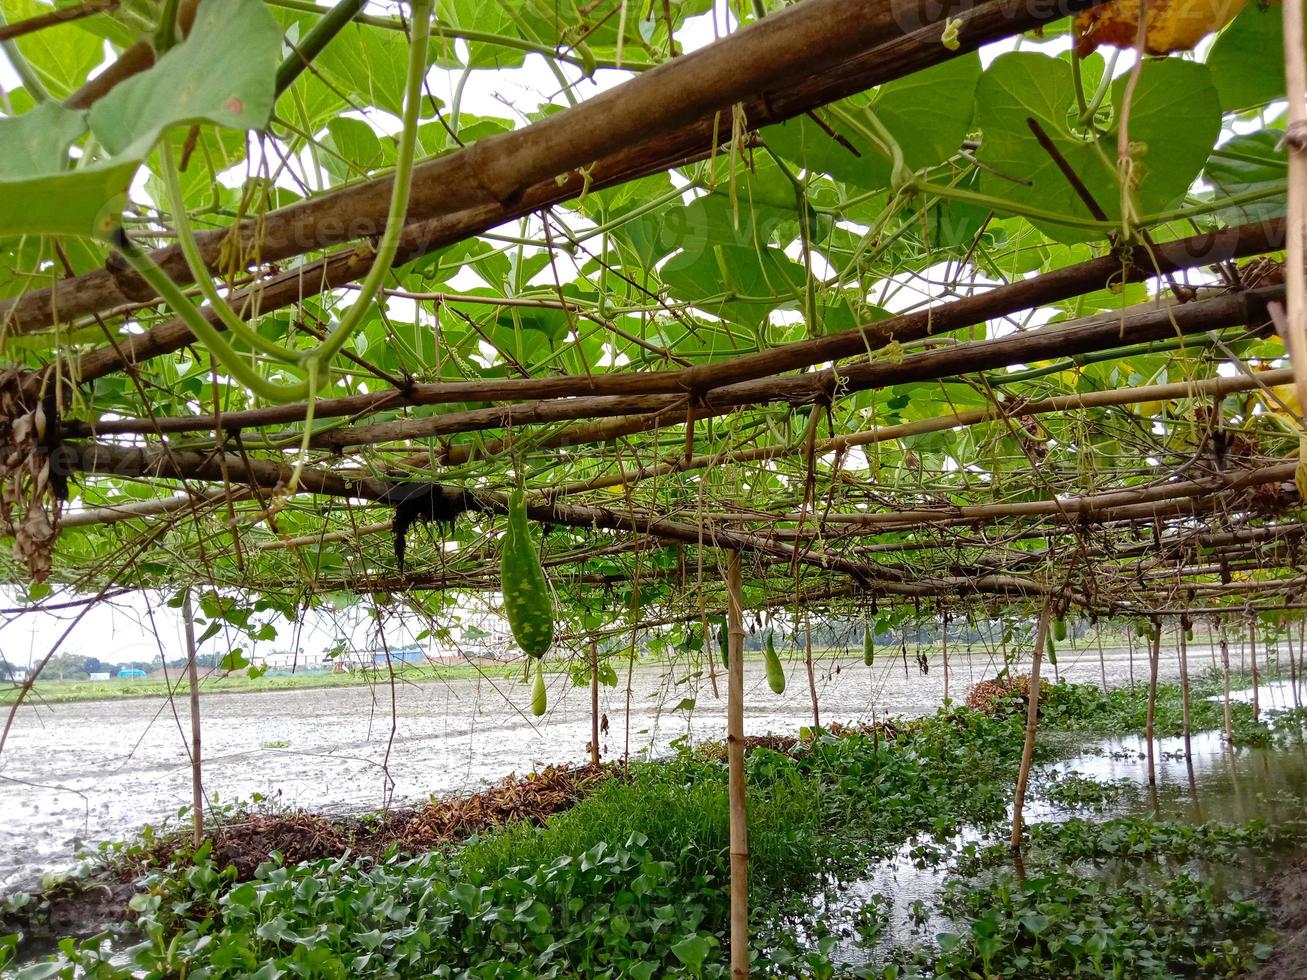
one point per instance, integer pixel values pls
(868, 647)
(538, 699)
(528, 603)
(1052, 652)
(1059, 629)
(724, 645)
(775, 673)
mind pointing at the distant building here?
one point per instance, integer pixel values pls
(291, 660)
(130, 673)
(405, 655)
(98, 675)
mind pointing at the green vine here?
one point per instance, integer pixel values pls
(310, 361)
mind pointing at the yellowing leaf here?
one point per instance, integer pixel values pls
(1283, 401)
(1173, 25)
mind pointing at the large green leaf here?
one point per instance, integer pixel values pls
(369, 63)
(62, 55)
(38, 194)
(222, 73)
(37, 142)
(85, 202)
(1249, 163)
(928, 113)
(1247, 59)
(1174, 121)
(737, 283)
(352, 149)
(475, 16)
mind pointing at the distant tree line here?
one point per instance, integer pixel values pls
(76, 666)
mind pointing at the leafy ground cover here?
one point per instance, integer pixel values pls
(626, 877)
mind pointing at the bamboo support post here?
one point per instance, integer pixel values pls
(594, 703)
(1155, 655)
(192, 676)
(1293, 665)
(735, 760)
(1225, 670)
(1302, 660)
(945, 645)
(812, 679)
(1294, 322)
(1102, 664)
(1130, 651)
(1184, 687)
(1252, 660)
(1032, 722)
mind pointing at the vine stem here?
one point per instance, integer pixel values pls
(314, 360)
(1032, 723)
(200, 272)
(1104, 86)
(318, 37)
(226, 355)
(407, 152)
(1125, 169)
(1004, 206)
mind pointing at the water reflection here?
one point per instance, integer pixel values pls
(1218, 783)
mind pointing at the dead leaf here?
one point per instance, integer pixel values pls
(1173, 25)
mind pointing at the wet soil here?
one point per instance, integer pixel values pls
(76, 774)
(83, 907)
(1286, 897)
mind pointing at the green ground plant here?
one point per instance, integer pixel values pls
(630, 881)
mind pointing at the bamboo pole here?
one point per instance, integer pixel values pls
(735, 760)
(1032, 722)
(1294, 325)
(1225, 669)
(1155, 655)
(1252, 659)
(192, 675)
(812, 680)
(945, 644)
(594, 703)
(1102, 665)
(1184, 687)
(1293, 665)
(1130, 648)
(1302, 659)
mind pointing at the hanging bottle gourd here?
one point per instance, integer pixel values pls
(775, 673)
(1059, 629)
(868, 647)
(538, 699)
(528, 603)
(1052, 651)
(724, 644)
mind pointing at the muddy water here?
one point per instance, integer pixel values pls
(75, 774)
(1214, 784)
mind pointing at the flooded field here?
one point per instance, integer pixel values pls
(1216, 783)
(75, 774)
